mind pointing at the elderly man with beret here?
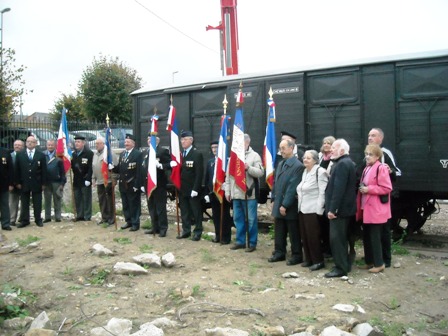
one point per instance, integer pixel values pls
(128, 168)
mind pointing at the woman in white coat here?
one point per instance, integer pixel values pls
(311, 202)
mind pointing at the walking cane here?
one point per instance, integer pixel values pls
(246, 219)
(113, 203)
(73, 196)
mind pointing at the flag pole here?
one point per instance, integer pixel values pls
(224, 105)
(114, 208)
(246, 217)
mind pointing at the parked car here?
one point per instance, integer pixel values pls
(43, 135)
(9, 135)
(120, 134)
(91, 137)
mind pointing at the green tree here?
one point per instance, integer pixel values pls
(74, 105)
(11, 84)
(105, 87)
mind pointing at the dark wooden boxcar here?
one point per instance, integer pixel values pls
(407, 97)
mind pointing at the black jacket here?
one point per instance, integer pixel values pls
(340, 195)
(192, 172)
(6, 170)
(288, 175)
(31, 175)
(129, 170)
(82, 167)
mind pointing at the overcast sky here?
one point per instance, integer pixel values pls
(58, 39)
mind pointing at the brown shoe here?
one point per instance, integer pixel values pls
(377, 269)
(365, 266)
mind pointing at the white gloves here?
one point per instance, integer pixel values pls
(135, 189)
(159, 165)
(194, 193)
(173, 164)
(207, 198)
(87, 183)
(142, 189)
(110, 166)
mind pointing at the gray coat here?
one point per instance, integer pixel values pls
(287, 176)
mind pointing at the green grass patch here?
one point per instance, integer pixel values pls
(123, 240)
(145, 248)
(99, 277)
(206, 256)
(11, 307)
(28, 240)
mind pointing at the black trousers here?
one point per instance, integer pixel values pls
(191, 213)
(83, 202)
(226, 219)
(25, 206)
(339, 243)
(157, 209)
(4, 209)
(131, 207)
(311, 237)
(373, 250)
(283, 227)
(105, 200)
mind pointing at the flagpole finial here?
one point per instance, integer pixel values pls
(155, 110)
(271, 93)
(107, 119)
(171, 99)
(224, 103)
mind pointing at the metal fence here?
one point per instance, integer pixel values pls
(46, 129)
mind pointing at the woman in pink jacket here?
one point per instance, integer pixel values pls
(373, 206)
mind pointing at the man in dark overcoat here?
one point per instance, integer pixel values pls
(287, 177)
(82, 179)
(129, 166)
(340, 205)
(157, 201)
(192, 173)
(210, 197)
(6, 185)
(30, 179)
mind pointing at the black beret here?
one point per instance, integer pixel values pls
(79, 137)
(216, 142)
(130, 136)
(288, 134)
(184, 134)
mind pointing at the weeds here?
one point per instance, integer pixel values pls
(13, 302)
(147, 225)
(196, 291)
(28, 240)
(207, 257)
(398, 248)
(145, 248)
(253, 269)
(205, 236)
(123, 240)
(68, 270)
(307, 319)
(99, 277)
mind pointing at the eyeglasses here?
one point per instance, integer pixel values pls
(369, 154)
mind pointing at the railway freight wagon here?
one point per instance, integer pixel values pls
(406, 97)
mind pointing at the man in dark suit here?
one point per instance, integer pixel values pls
(157, 200)
(297, 152)
(129, 166)
(211, 198)
(287, 177)
(82, 179)
(30, 179)
(340, 205)
(191, 176)
(6, 185)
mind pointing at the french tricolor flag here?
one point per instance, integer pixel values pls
(237, 162)
(152, 160)
(107, 157)
(270, 144)
(62, 148)
(219, 175)
(175, 149)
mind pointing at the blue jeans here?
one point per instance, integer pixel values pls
(239, 218)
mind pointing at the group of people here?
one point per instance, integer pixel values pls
(318, 201)
(316, 197)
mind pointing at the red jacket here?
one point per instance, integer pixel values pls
(377, 179)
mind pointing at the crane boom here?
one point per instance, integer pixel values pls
(229, 35)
